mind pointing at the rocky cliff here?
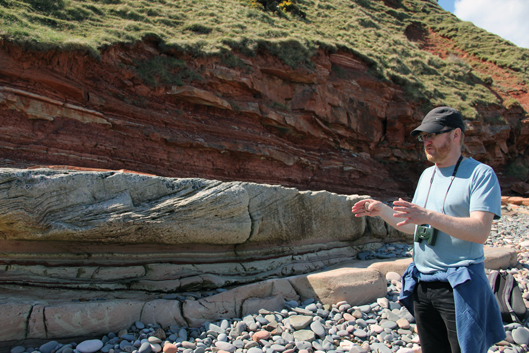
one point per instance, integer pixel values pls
(335, 126)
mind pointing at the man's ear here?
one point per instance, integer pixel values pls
(457, 133)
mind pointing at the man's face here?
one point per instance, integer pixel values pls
(438, 148)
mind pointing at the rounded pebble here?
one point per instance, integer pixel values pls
(89, 346)
(521, 335)
(170, 348)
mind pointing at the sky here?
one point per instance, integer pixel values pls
(507, 18)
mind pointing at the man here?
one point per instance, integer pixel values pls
(451, 214)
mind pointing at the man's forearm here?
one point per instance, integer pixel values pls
(387, 215)
(475, 228)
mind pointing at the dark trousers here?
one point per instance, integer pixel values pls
(435, 316)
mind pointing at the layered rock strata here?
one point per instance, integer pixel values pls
(57, 314)
(120, 231)
(334, 127)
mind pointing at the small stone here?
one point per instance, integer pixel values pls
(366, 347)
(403, 323)
(89, 346)
(251, 344)
(160, 333)
(521, 335)
(312, 307)
(225, 346)
(154, 339)
(261, 335)
(357, 349)
(303, 345)
(380, 348)
(128, 337)
(365, 308)
(318, 328)
(389, 324)
(123, 344)
(262, 320)
(302, 311)
(155, 347)
(145, 348)
(327, 346)
(17, 349)
(189, 345)
(360, 333)
(287, 337)
(377, 328)
(348, 317)
(304, 335)
(182, 334)
(106, 348)
(383, 302)
(255, 350)
(393, 276)
(322, 313)
(239, 328)
(139, 325)
(278, 347)
(361, 322)
(48, 347)
(170, 348)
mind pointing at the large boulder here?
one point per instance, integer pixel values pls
(116, 230)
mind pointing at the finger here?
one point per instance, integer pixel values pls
(360, 205)
(403, 223)
(401, 203)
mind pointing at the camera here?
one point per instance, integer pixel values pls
(426, 232)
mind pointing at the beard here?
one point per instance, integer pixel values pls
(440, 153)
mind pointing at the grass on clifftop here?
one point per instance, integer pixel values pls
(293, 32)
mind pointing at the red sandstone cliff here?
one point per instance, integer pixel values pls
(335, 127)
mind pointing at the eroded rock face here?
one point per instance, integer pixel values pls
(334, 127)
(115, 230)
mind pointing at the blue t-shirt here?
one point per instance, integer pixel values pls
(475, 188)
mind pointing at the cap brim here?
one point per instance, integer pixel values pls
(429, 128)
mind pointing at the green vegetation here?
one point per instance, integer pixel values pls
(517, 170)
(291, 30)
(163, 70)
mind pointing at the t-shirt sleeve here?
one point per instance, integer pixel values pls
(486, 193)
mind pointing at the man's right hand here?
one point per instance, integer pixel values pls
(374, 208)
(368, 207)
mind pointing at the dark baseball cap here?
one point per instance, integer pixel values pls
(438, 118)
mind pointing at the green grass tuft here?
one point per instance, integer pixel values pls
(163, 70)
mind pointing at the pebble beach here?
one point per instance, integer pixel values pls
(383, 326)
